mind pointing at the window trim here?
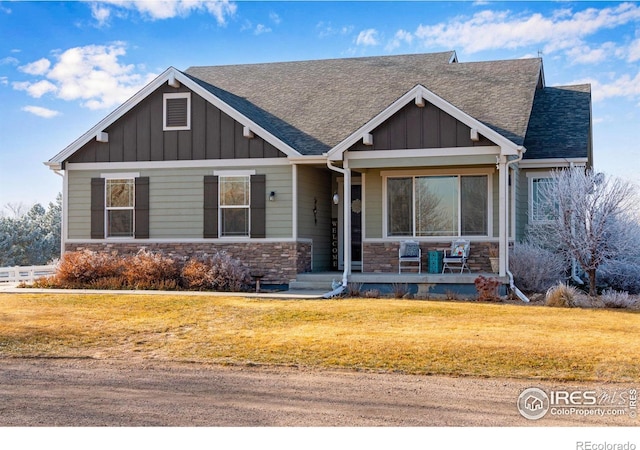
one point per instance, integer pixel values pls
(119, 176)
(221, 207)
(175, 95)
(488, 172)
(531, 178)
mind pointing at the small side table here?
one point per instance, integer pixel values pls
(257, 276)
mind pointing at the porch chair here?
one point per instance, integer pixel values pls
(409, 253)
(457, 256)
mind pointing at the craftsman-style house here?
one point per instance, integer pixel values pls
(330, 165)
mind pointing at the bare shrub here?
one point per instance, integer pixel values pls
(354, 289)
(84, 267)
(617, 299)
(400, 290)
(218, 272)
(487, 288)
(371, 293)
(534, 268)
(561, 295)
(149, 270)
(620, 275)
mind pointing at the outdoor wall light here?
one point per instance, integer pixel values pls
(336, 198)
(272, 196)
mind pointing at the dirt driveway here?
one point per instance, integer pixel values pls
(89, 392)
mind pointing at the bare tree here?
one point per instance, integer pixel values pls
(587, 212)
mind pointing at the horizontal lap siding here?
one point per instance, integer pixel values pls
(176, 202)
(315, 184)
(373, 210)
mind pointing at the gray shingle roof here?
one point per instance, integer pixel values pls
(560, 125)
(314, 105)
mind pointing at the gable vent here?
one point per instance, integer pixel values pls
(177, 111)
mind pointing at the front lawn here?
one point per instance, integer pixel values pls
(405, 336)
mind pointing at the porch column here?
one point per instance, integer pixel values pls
(346, 205)
(503, 214)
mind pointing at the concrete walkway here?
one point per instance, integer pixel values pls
(290, 294)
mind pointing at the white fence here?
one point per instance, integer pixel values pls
(24, 273)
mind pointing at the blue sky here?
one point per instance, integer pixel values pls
(66, 65)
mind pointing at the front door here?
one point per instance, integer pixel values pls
(356, 226)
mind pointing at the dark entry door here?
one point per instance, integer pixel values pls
(356, 227)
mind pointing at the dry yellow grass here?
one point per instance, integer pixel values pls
(421, 337)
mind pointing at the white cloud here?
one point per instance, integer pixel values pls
(100, 13)
(399, 38)
(38, 67)
(327, 29)
(168, 9)
(41, 112)
(560, 31)
(634, 51)
(92, 74)
(260, 29)
(585, 54)
(275, 18)
(35, 90)
(625, 86)
(4, 81)
(367, 37)
(9, 60)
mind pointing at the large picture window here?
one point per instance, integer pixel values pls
(234, 205)
(120, 204)
(437, 205)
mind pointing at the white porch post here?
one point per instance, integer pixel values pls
(346, 204)
(503, 215)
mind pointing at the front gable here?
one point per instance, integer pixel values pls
(135, 131)
(420, 120)
(140, 134)
(416, 127)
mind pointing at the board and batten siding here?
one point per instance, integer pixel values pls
(314, 191)
(138, 136)
(176, 196)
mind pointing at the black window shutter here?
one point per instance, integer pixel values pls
(142, 208)
(211, 206)
(258, 204)
(97, 208)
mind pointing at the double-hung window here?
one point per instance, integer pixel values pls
(120, 207)
(235, 198)
(451, 205)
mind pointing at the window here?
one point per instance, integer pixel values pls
(177, 111)
(120, 204)
(543, 208)
(437, 205)
(234, 205)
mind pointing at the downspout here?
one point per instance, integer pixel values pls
(57, 169)
(512, 285)
(345, 274)
(574, 264)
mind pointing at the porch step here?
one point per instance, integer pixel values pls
(315, 281)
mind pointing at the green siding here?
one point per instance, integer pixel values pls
(176, 201)
(373, 209)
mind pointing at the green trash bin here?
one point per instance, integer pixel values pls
(435, 261)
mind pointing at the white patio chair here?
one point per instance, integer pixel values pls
(408, 254)
(457, 256)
